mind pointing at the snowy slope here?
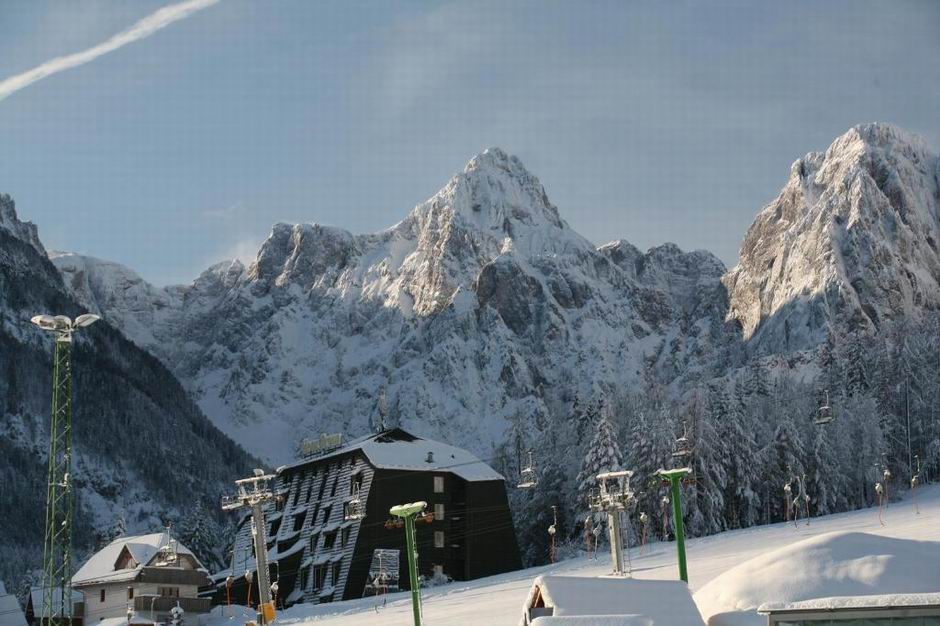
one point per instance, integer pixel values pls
(498, 600)
(479, 312)
(851, 242)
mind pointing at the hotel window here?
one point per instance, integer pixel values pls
(337, 567)
(329, 540)
(299, 520)
(326, 514)
(319, 576)
(438, 512)
(326, 475)
(102, 595)
(335, 482)
(300, 480)
(314, 539)
(344, 537)
(438, 538)
(304, 578)
(130, 593)
(438, 484)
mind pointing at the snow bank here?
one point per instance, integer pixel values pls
(831, 565)
(595, 620)
(644, 602)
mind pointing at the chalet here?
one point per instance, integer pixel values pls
(34, 607)
(146, 575)
(327, 536)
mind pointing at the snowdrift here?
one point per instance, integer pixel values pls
(831, 565)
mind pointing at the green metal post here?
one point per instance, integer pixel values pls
(675, 476)
(57, 547)
(408, 513)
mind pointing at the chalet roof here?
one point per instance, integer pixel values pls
(35, 599)
(659, 602)
(10, 612)
(144, 548)
(397, 449)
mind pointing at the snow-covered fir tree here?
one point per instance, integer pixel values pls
(603, 455)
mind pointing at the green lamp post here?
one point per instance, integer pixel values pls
(674, 476)
(408, 512)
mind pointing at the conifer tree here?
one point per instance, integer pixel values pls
(603, 455)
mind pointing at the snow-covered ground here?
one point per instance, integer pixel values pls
(498, 600)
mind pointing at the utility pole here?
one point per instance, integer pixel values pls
(408, 512)
(57, 545)
(674, 476)
(614, 498)
(254, 493)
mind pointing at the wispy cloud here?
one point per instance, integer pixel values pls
(140, 30)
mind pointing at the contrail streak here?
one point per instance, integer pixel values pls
(140, 30)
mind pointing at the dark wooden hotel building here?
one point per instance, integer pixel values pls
(321, 550)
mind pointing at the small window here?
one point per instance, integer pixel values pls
(319, 577)
(304, 578)
(102, 595)
(438, 512)
(337, 568)
(355, 483)
(323, 483)
(314, 540)
(438, 538)
(299, 521)
(329, 540)
(130, 593)
(335, 482)
(438, 484)
(344, 537)
(326, 514)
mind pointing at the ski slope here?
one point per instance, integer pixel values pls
(498, 600)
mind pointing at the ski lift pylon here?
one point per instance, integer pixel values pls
(527, 477)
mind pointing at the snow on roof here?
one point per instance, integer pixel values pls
(659, 602)
(821, 568)
(100, 567)
(856, 602)
(397, 449)
(35, 598)
(594, 620)
(10, 612)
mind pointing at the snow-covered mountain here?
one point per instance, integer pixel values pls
(850, 243)
(483, 317)
(480, 311)
(143, 450)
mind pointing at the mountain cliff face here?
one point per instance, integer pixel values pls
(143, 450)
(850, 243)
(483, 315)
(482, 311)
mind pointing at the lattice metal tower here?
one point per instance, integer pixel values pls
(57, 546)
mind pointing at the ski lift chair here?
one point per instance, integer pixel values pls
(823, 413)
(527, 477)
(683, 448)
(354, 507)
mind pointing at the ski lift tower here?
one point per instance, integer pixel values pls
(675, 476)
(254, 493)
(57, 546)
(614, 497)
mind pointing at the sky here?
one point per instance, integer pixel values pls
(180, 144)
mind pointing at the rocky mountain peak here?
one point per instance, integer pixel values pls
(851, 236)
(10, 222)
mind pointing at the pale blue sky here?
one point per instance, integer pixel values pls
(653, 122)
